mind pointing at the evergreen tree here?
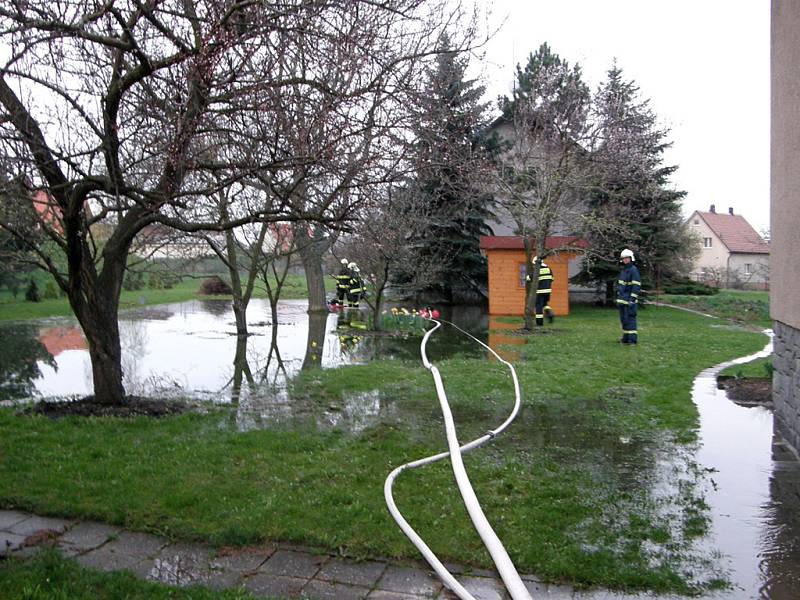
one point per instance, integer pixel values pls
(445, 151)
(632, 188)
(541, 171)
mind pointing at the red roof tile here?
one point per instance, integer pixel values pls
(514, 242)
(735, 232)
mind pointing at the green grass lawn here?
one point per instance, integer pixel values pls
(49, 576)
(569, 489)
(186, 289)
(741, 306)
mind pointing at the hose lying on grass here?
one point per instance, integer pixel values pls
(505, 567)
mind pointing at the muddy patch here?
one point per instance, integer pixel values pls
(747, 391)
(88, 406)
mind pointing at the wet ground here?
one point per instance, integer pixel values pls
(191, 350)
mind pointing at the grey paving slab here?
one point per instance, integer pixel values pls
(104, 559)
(387, 595)
(9, 542)
(136, 544)
(329, 590)
(365, 573)
(30, 526)
(482, 588)
(409, 580)
(293, 564)
(12, 517)
(267, 584)
(182, 565)
(241, 559)
(89, 534)
(224, 579)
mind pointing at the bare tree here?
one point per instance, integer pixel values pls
(380, 247)
(122, 111)
(541, 172)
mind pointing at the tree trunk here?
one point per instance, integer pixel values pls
(311, 248)
(106, 355)
(99, 321)
(317, 322)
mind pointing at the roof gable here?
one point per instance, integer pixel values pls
(735, 232)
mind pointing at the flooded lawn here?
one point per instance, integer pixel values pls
(191, 350)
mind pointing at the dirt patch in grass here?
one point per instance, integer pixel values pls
(88, 406)
(748, 391)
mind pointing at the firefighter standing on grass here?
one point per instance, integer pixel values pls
(629, 283)
(544, 287)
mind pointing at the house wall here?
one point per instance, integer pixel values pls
(785, 218)
(759, 269)
(507, 294)
(715, 257)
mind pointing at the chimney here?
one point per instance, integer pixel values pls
(730, 210)
(713, 209)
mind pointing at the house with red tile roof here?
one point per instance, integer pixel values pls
(732, 253)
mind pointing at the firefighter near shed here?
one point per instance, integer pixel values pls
(544, 287)
(629, 283)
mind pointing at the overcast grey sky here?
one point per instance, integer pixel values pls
(704, 65)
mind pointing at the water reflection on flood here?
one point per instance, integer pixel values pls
(755, 500)
(190, 350)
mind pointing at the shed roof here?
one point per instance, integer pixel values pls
(515, 242)
(735, 232)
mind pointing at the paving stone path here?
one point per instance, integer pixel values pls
(279, 570)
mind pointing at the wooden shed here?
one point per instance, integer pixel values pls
(506, 257)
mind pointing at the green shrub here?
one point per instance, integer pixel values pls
(50, 291)
(686, 287)
(32, 293)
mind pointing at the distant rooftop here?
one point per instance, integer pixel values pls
(734, 231)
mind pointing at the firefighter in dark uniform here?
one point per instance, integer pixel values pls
(629, 283)
(342, 282)
(544, 287)
(355, 289)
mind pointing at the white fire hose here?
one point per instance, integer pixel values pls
(505, 567)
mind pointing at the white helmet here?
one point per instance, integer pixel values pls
(343, 261)
(352, 265)
(626, 254)
(534, 259)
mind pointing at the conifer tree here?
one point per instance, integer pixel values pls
(632, 188)
(446, 149)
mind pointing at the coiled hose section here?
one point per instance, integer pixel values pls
(505, 567)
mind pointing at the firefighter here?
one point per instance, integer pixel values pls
(355, 289)
(544, 288)
(628, 285)
(342, 282)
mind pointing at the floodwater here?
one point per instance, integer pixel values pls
(190, 350)
(755, 498)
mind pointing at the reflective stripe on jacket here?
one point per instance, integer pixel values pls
(545, 284)
(343, 279)
(628, 285)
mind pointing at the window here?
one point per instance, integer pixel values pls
(522, 275)
(706, 242)
(697, 221)
(748, 268)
